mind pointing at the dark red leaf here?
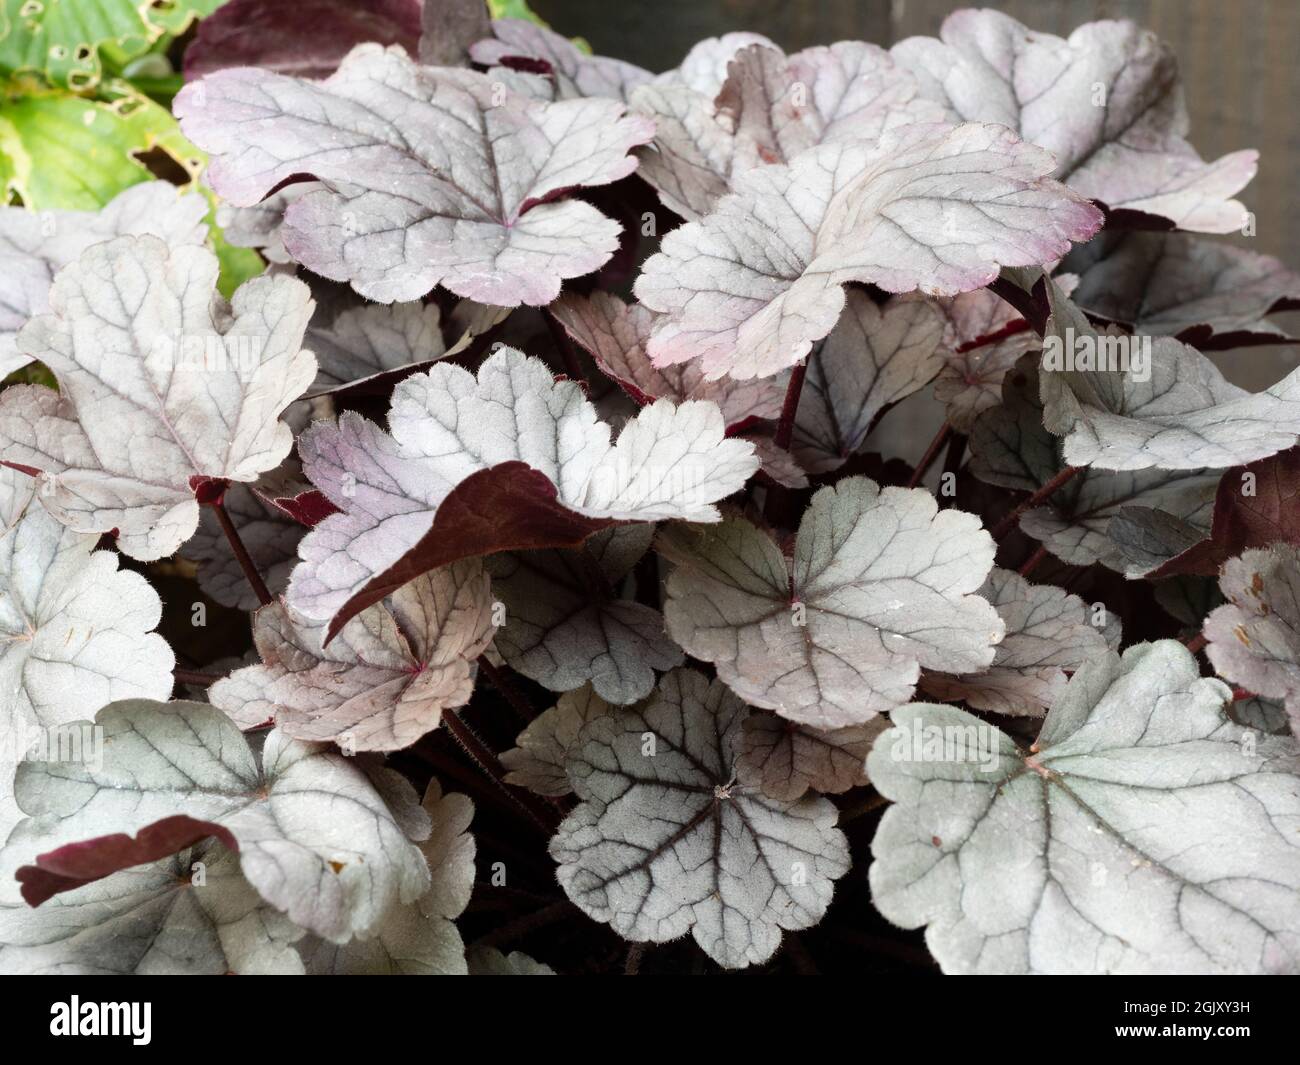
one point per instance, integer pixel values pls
(75, 864)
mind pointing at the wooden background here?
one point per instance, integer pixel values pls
(1238, 60)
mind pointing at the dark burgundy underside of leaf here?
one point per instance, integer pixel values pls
(209, 491)
(31, 471)
(75, 864)
(527, 64)
(307, 508)
(1205, 338)
(306, 38)
(1128, 218)
(510, 507)
(1271, 515)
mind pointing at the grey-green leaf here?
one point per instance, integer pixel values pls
(665, 841)
(1142, 832)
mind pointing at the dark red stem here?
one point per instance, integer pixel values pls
(1041, 496)
(785, 427)
(931, 453)
(241, 553)
(500, 680)
(485, 758)
(572, 365)
(190, 676)
(1029, 308)
(1033, 562)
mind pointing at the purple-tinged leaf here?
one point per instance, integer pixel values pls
(1204, 293)
(307, 38)
(367, 340)
(572, 73)
(615, 334)
(983, 338)
(76, 864)
(785, 760)
(537, 760)
(1255, 506)
(75, 631)
(768, 110)
(1010, 447)
(462, 184)
(1049, 635)
(566, 626)
(705, 68)
(881, 583)
(315, 837)
(1254, 638)
(1107, 103)
(151, 920)
(511, 460)
(259, 226)
(387, 678)
(1141, 832)
(417, 939)
(1138, 403)
(666, 841)
(749, 289)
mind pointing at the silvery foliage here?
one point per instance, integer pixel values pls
(1138, 833)
(457, 514)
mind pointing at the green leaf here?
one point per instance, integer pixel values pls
(520, 9)
(67, 41)
(65, 152)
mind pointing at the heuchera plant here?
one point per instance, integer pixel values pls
(526, 558)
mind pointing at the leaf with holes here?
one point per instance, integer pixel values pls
(63, 41)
